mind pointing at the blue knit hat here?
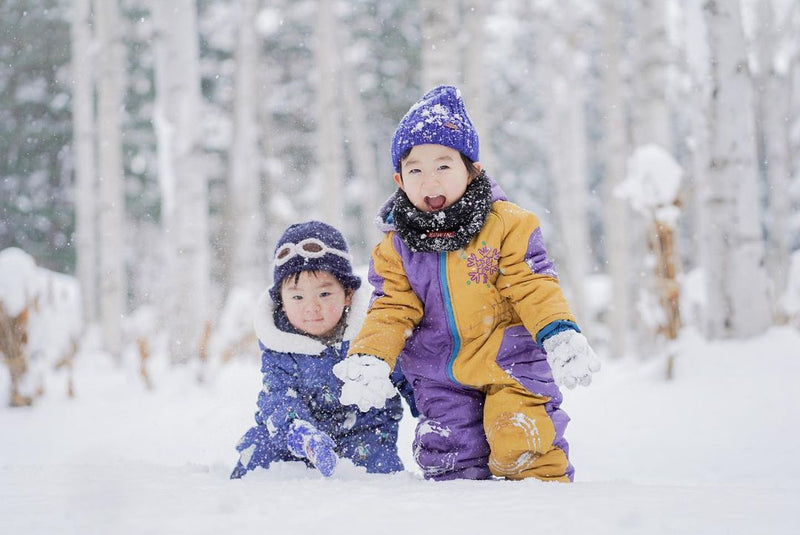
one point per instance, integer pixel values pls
(438, 118)
(312, 246)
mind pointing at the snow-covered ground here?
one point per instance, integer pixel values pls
(716, 450)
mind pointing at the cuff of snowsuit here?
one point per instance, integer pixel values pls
(554, 328)
(402, 385)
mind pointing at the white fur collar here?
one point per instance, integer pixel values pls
(283, 342)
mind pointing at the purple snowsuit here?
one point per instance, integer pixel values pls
(466, 326)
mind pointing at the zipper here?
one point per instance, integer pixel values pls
(451, 319)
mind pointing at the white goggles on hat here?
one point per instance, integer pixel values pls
(308, 248)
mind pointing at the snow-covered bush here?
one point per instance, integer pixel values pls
(40, 322)
(233, 330)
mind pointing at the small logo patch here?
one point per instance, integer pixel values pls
(451, 126)
(444, 234)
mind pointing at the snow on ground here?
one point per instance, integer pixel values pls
(713, 451)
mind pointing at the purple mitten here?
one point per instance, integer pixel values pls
(307, 442)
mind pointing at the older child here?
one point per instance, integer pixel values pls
(304, 327)
(468, 300)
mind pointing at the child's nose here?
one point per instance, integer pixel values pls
(432, 178)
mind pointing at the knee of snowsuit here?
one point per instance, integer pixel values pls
(257, 449)
(374, 448)
(505, 431)
(526, 435)
(369, 440)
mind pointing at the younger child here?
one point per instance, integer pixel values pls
(468, 300)
(304, 327)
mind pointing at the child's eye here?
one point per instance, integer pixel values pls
(413, 171)
(444, 167)
(297, 298)
(324, 294)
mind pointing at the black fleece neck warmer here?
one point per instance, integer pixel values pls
(449, 229)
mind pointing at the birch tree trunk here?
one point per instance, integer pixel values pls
(271, 223)
(774, 109)
(112, 201)
(244, 185)
(476, 86)
(364, 159)
(440, 30)
(567, 154)
(738, 299)
(616, 214)
(183, 182)
(331, 150)
(83, 142)
(694, 95)
(571, 189)
(652, 123)
(651, 126)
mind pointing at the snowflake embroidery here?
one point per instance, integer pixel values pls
(484, 265)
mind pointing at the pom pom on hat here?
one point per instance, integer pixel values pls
(438, 118)
(312, 246)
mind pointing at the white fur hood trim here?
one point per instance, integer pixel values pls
(283, 342)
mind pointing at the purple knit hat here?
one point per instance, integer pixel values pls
(312, 246)
(438, 118)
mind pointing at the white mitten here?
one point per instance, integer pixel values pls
(366, 381)
(571, 358)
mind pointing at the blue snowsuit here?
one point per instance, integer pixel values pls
(298, 383)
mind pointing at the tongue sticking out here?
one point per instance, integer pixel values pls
(435, 203)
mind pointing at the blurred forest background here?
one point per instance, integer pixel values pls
(154, 150)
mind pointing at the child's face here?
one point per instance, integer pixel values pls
(315, 302)
(433, 177)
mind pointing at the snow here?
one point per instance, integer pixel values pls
(17, 280)
(53, 304)
(790, 301)
(713, 451)
(653, 184)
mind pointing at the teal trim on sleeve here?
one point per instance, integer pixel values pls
(555, 327)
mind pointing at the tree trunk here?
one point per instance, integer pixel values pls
(440, 30)
(652, 124)
(567, 156)
(83, 143)
(270, 221)
(181, 175)
(617, 217)
(330, 170)
(738, 299)
(694, 95)
(364, 160)
(476, 86)
(112, 201)
(774, 108)
(244, 183)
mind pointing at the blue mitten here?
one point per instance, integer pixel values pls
(307, 442)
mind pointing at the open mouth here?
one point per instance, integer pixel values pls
(436, 202)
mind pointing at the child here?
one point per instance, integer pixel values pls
(468, 300)
(304, 327)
